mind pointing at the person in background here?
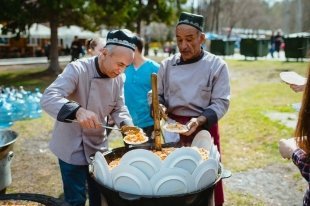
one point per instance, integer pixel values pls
(88, 90)
(193, 85)
(298, 148)
(272, 44)
(278, 41)
(136, 87)
(47, 49)
(76, 49)
(94, 46)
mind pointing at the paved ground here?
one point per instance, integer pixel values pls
(275, 184)
(288, 119)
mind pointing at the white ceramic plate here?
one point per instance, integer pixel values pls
(205, 174)
(202, 140)
(212, 153)
(292, 78)
(209, 164)
(131, 180)
(128, 139)
(175, 127)
(217, 156)
(185, 158)
(101, 170)
(204, 178)
(144, 160)
(172, 181)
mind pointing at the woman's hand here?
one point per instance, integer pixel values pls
(287, 147)
(297, 88)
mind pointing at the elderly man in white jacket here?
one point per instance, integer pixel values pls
(88, 90)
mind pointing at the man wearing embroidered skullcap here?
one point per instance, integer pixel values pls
(193, 86)
(88, 90)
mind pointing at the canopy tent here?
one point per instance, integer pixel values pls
(67, 33)
(39, 31)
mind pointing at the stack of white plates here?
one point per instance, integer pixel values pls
(101, 170)
(141, 172)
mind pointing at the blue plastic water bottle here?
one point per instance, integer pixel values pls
(5, 114)
(33, 106)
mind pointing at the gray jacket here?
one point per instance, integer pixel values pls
(82, 84)
(194, 88)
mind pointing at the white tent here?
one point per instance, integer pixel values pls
(67, 33)
(39, 31)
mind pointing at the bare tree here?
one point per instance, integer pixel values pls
(249, 14)
(306, 15)
(215, 9)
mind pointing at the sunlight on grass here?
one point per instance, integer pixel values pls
(29, 78)
(250, 139)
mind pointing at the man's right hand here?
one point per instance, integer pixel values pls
(163, 112)
(87, 119)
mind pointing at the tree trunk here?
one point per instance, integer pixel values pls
(217, 20)
(213, 9)
(138, 20)
(54, 66)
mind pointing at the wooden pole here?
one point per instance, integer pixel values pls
(156, 113)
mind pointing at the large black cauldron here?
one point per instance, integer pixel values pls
(115, 198)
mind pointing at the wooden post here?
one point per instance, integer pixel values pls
(156, 113)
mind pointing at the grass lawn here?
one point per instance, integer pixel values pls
(249, 139)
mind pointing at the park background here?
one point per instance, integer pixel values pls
(261, 110)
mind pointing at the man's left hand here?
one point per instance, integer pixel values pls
(193, 124)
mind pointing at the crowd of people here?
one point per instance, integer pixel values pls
(113, 81)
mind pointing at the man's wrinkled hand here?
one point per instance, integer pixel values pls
(193, 124)
(163, 108)
(163, 112)
(87, 119)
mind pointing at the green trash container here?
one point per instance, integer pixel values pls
(251, 47)
(230, 47)
(222, 47)
(263, 48)
(297, 47)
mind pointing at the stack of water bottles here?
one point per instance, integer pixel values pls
(18, 104)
